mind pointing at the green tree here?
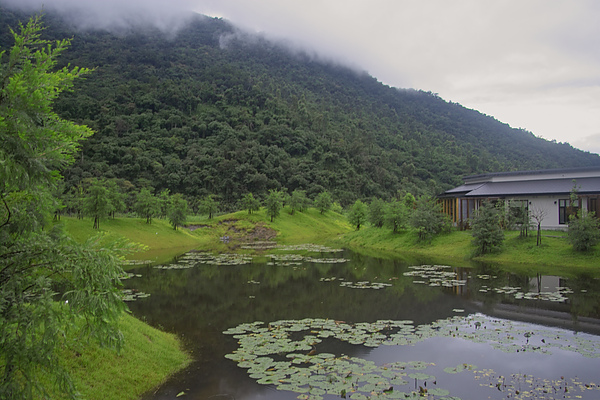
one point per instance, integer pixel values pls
(273, 203)
(298, 201)
(377, 212)
(396, 215)
(209, 205)
(583, 231)
(147, 205)
(486, 230)
(250, 203)
(427, 218)
(36, 145)
(163, 201)
(96, 203)
(409, 201)
(358, 214)
(178, 210)
(323, 202)
(116, 197)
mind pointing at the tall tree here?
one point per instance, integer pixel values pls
(209, 205)
(396, 215)
(486, 230)
(323, 202)
(377, 212)
(163, 200)
(250, 203)
(36, 145)
(298, 201)
(178, 210)
(147, 205)
(116, 197)
(357, 215)
(273, 203)
(97, 203)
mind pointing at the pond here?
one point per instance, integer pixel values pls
(310, 322)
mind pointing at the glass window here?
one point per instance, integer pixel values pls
(565, 209)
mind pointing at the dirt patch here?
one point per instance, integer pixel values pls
(260, 233)
(192, 228)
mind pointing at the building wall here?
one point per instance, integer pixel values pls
(550, 205)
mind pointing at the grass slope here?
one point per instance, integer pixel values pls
(147, 359)
(554, 256)
(160, 239)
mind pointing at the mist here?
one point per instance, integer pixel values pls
(112, 15)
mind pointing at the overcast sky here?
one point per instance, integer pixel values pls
(533, 64)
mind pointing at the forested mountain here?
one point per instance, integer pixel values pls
(213, 111)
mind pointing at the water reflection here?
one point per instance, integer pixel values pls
(202, 301)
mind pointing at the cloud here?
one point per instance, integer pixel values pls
(114, 14)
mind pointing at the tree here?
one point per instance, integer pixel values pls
(396, 215)
(538, 214)
(298, 201)
(250, 203)
(178, 210)
(427, 218)
(357, 214)
(377, 212)
(273, 203)
(36, 145)
(208, 205)
(97, 204)
(116, 197)
(163, 202)
(147, 205)
(323, 202)
(486, 230)
(583, 231)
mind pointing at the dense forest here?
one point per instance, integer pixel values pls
(214, 111)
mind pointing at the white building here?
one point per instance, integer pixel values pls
(545, 191)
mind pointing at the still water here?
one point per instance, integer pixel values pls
(335, 324)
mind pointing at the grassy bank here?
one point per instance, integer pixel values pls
(554, 256)
(162, 242)
(149, 356)
(159, 238)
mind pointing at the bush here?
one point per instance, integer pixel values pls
(427, 218)
(486, 230)
(583, 231)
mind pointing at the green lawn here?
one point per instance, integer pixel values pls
(160, 239)
(554, 256)
(149, 356)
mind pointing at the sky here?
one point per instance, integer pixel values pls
(534, 64)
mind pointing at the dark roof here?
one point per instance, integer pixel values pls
(533, 172)
(524, 188)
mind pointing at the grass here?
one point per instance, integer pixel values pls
(554, 256)
(159, 238)
(147, 359)
(302, 227)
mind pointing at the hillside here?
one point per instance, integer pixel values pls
(216, 111)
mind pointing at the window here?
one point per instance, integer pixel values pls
(593, 205)
(565, 209)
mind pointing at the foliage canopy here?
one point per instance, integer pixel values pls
(36, 144)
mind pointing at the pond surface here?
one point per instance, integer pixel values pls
(317, 323)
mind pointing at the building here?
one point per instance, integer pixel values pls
(541, 191)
